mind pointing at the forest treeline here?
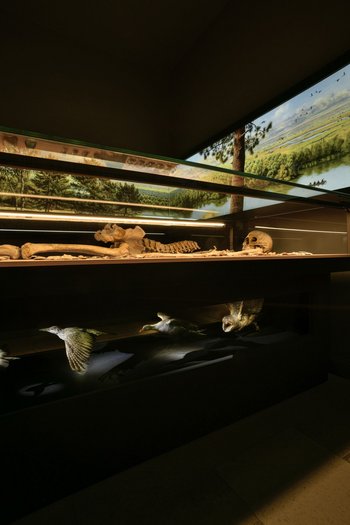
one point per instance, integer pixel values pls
(280, 166)
(283, 166)
(77, 188)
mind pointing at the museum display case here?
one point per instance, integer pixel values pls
(61, 193)
(147, 301)
(159, 265)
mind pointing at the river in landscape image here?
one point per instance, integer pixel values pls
(336, 175)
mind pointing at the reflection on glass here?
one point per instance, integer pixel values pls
(27, 190)
(18, 144)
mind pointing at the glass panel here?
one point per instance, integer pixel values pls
(305, 140)
(42, 181)
(25, 190)
(139, 344)
(33, 146)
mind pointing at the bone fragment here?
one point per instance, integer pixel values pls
(174, 247)
(10, 251)
(29, 249)
(249, 251)
(114, 233)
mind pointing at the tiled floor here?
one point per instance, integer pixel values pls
(285, 465)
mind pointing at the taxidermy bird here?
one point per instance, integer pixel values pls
(242, 314)
(79, 343)
(173, 327)
(4, 359)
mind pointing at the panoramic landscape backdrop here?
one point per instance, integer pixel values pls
(305, 140)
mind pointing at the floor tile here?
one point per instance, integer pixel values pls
(291, 479)
(288, 464)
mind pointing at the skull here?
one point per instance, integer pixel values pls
(257, 239)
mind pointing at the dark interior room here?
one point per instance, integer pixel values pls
(175, 262)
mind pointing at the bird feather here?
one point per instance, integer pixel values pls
(78, 350)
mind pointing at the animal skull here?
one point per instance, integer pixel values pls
(257, 239)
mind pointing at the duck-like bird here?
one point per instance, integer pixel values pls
(172, 326)
(79, 344)
(242, 314)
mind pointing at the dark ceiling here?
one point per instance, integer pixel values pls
(162, 77)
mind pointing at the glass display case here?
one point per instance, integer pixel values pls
(85, 310)
(148, 301)
(56, 195)
(153, 300)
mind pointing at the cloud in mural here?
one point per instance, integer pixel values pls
(332, 98)
(281, 113)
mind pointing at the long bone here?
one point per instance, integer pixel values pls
(29, 249)
(8, 250)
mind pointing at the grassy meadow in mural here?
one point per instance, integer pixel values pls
(305, 140)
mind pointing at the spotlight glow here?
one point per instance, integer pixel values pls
(120, 220)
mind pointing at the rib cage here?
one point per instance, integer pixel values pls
(173, 247)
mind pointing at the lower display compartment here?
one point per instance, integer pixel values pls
(145, 393)
(69, 444)
(43, 365)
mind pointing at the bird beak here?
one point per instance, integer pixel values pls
(44, 330)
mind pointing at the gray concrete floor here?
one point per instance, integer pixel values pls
(289, 464)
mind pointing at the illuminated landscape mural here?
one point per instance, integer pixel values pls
(305, 140)
(23, 189)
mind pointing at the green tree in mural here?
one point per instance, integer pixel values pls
(51, 184)
(104, 190)
(232, 148)
(127, 193)
(288, 166)
(194, 198)
(84, 187)
(15, 180)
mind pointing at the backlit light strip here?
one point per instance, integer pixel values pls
(119, 220)
(298, 230)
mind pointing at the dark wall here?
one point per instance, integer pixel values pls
(155, 77)
(53, 85)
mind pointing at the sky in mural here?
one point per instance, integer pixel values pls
(309, 141)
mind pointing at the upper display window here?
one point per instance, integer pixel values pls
(305, 140)
(38, 175)
(56, 197)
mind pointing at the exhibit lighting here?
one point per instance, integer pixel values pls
(119, 220)
(298, 230)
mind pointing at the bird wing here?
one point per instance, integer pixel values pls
(252, 306)
(235, 308)
(78, 350)
(163, 316)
